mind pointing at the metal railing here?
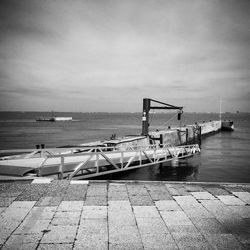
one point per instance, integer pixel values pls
(96, 161)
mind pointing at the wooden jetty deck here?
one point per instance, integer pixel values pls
(52, 214)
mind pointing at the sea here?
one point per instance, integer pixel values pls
(224, 156)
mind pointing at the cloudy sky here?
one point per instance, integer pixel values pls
(106, 55)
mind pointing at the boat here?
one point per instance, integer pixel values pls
(53, 118)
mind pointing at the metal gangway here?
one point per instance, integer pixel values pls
(99, 161)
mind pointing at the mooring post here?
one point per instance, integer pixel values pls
(61, 169)
(145, 116)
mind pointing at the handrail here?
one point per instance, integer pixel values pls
(150, 153)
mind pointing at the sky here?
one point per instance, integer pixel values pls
(107, 55)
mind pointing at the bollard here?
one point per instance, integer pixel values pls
(60, 174)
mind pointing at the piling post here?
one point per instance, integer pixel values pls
(145, 116)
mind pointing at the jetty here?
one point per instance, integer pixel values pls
(44, 213)
(115, 155)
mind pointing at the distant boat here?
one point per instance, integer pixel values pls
(53, 118)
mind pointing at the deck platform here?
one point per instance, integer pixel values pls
(51, 214)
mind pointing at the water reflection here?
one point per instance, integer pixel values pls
(177, 170)
(180, 170)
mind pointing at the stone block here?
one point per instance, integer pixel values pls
(186, 201)
(158, 241)
(32, 227)
(223, 241)
(92, 234)
(42, 181)
(217, 191)
(79, 182)
(41, 213)
(22, 242)
(15, 213)
(124, 234)
(209, 226)
(94, 212)
(125, 246)
(22, 204)
(231, 200)
(167, 205)
(198, 212)
(242, 211)
(151, 226)
(190, 241)
(119, 206)
(96, 201)
(145, 212)
(244, 196)
(173, 218)
(49, 201)
(203, 196)
(139, 200)
(70, 206)
(158, 195)
(55, 247)
(65, 221)
(60, 234)
(6, 228)
(6, 201)
(91, 243)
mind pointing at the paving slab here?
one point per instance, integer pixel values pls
(158, 241)
(224, 241)
(41, 213)
(32, 227)
(124, 215)
(167, 205)
(124, 246)
(55, 247)
(70, 206)
(92, 234)
(198, 212)
(49, 201)
(6, 201)
(141, 200)
(186, 201)
(244, 196)
(96, 201)
(173, 218)
(146, 212)
(94, 212)
(242, 211)
(79, 182)
(22, 242)
(145, 226)
(41, 181)
(191, 241)
(203, 196)
(231, 200)
(209, 226)
(60, 234)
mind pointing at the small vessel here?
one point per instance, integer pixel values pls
(53, 118)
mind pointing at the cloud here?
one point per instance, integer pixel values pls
(91, 54)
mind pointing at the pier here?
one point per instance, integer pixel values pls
(50, 214)
(115, 155)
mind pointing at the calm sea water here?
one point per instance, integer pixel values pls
(225, 156)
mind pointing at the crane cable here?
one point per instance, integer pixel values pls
(168, 121)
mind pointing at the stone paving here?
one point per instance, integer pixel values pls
(46, 214)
